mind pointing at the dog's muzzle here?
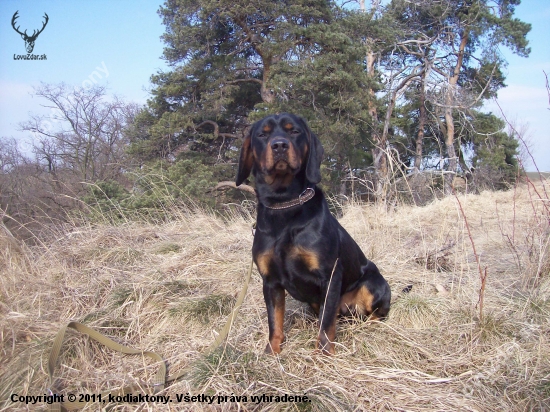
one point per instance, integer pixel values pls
(280, 147)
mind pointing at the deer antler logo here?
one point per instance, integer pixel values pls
(29, 40)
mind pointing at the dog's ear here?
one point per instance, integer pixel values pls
(246, 160)
(315, 157)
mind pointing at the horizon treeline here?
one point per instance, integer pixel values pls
(394, 90)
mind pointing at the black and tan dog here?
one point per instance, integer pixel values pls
(299, 246)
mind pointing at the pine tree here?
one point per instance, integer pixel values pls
(474, 26)
(234, 62)
(223, 54)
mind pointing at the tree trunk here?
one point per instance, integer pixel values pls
(381, 172)
(451, 153)
(450, 102)
(380, 162)
(421, 122)
(267, 94)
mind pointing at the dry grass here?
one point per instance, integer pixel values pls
(169, 287)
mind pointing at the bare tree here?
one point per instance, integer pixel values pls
(11, 160)
(81, 140)
(83, 136)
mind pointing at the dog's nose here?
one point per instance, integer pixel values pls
(280, 145)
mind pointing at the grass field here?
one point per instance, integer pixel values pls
(168, 287)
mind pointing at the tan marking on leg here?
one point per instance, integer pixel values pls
(274, 345)
(325, 341)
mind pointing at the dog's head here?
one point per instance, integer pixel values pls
(279, 148)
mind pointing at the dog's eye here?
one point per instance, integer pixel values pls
(295, 132)
(262, 135)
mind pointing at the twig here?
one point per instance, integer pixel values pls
(482, 277)
(326, 297)
(547, 87)
(482, 293)
(532, 159)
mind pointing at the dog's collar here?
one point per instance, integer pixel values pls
(305, 196)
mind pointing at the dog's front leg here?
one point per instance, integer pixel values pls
(275, 302)
(329, 312)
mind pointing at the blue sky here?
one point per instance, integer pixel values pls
(123, 36)
(117, 43)
(526, 101)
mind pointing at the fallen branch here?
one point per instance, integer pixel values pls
(228, 184)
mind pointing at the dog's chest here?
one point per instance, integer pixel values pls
(293, 264)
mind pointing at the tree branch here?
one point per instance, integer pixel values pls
(216, 129)
(229, 184)
(245, 80)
